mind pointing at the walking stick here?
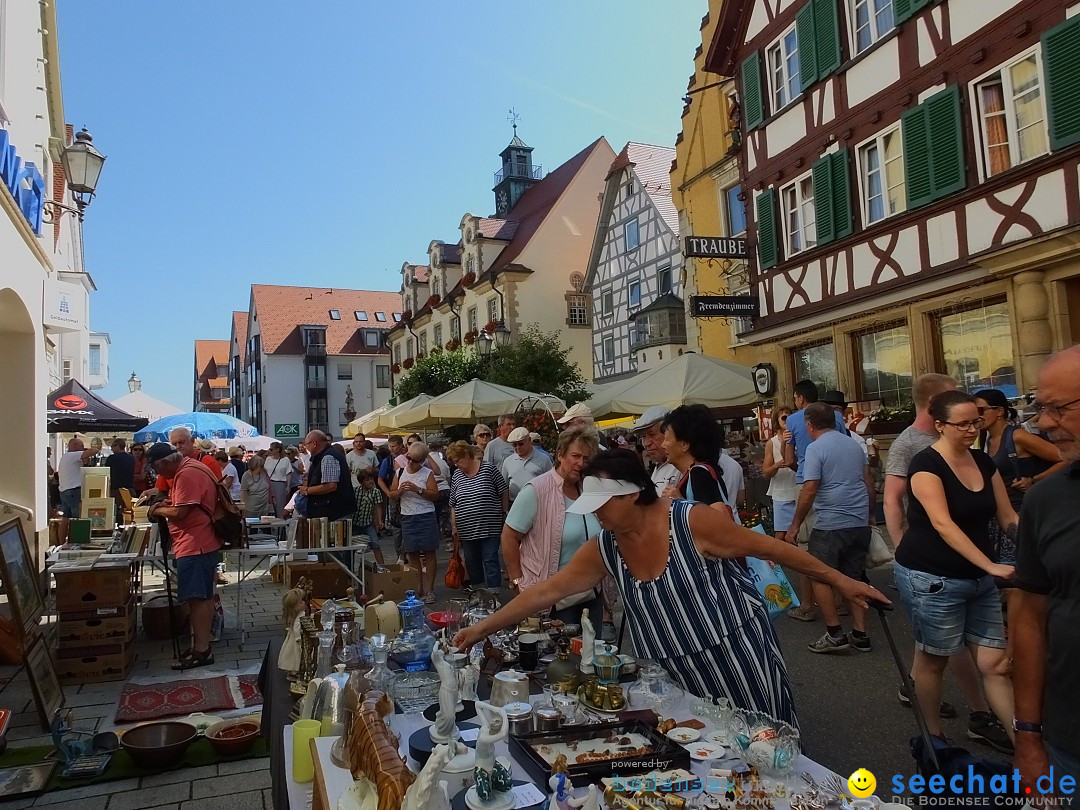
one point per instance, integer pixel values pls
(163, 534)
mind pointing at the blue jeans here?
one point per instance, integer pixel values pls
(946, 612)
(482, 561)
(1064, 762)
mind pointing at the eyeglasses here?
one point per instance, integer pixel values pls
(1055, 412)
(975, 424)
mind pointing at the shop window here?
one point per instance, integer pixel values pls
(975, 348)
(884, 357)
(870, 20)
(816, 363)
(1011, 115)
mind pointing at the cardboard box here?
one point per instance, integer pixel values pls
(392, 583)
(85, 588)
(94, 664)
(97, 625)
(327, 579)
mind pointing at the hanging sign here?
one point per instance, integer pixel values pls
(723, 306)
(715, 247)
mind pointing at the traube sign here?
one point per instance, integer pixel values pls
(715, 247)
(723, 306)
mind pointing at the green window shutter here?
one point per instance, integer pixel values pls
(1061, 62)
(827, 42)
(767, 237)
(946, 142)
(823, 200)
(753, 102)
(915, 133)
(841, 193)
(906, 9)
(807, 39)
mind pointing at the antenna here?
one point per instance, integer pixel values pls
(513, 118)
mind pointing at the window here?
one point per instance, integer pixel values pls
(493, 309)
(933, 148)
(881, 175)
(409, 347)
(1011, 115)
(222, 370)
(455, 327)
(423, 342)
(632, 338)
(740, 326)
(219, 393)
(65, 373)
(660, 326)
(629, 189)
(799, 215)
(371, 338)
(633, 235)
(437, 337)
(397, 317)
(607, 302)
(633, 295)
(885, 365)
(577, 310)
(472, 320)
(435, 287)
(609, 350)
(663, 280)
(818, 364)
(735, 209)
(335, 315)
(470, 265)
(95, 360)
(362, 316)
(397, 353)
(871, 19)
(381, 317)
(976, 348)
(783, 67)
(344, 371)
(382, 376)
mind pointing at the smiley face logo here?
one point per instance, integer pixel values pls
(861, 783)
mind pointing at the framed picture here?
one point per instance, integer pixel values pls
(41, 670)
(25, 780)
(101, 512)
(20, 577)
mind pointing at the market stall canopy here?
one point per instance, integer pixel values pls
(202, 426)
(469, 403)
(356, 425)
(71, 408)
(690, 379)
(377, 423)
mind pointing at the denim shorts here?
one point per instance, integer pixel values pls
(70, 501)
(195, 576)
(842, 549)
(946, 612)
(370, 532)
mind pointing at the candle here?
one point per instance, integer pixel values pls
(303, 766)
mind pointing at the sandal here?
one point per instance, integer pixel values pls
(193, 659)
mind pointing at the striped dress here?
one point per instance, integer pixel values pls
(705, 623)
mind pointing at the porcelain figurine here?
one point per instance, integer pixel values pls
(560, 785)
(588, 642)
(293, 608)
(587, 802)
(469, 677)
(427, 792)
(494, 784)
(445, 729)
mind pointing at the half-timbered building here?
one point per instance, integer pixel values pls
(912, 173)
(635, 261)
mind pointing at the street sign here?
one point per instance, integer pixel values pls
(290, 430)
(715, 247)
(723, 306)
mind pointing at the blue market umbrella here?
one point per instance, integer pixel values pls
(202, 426)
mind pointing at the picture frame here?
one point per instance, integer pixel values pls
(44, 683)
(25, 780)
(20, 577)
(101, 512)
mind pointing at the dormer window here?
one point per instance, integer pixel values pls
(335, 315)
(361, 315)
(397, 316)
(381, 317)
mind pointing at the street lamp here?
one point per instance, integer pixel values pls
(82, 168)
(484, 343)
(502, 334)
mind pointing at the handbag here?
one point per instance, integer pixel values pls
(455, 572)
(879, 552)
(225, 520)
(771, 583)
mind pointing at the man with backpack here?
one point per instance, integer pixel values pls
(189, 508)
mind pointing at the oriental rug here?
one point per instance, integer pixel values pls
(152, 701)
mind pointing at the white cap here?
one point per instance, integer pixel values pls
(657, 413)
(595, 492)
(581, 409)
(517, 434)
(534, 436)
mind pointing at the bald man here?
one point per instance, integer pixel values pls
(328, 487)
(1046, 611)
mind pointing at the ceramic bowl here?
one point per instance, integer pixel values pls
(231, 738)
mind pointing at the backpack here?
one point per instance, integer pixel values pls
(225, 520)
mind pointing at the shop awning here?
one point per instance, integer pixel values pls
(71, 408)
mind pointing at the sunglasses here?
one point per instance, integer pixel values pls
(478, 435)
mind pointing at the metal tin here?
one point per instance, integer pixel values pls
(520, 717)
(548, 719)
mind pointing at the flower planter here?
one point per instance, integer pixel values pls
(888, 427)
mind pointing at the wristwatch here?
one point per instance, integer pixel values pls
(1032, 728)
(515, 582)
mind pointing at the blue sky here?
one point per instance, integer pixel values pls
(327, 143)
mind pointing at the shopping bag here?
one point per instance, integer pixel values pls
(772, 583)
(879, 552)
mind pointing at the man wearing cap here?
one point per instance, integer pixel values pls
(525, 463)
(582, 417)
(499, 449)
(188, 509)
(539, 448)
(647, 428)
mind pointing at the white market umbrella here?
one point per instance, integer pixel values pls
(690, 379)
(381, 421)
(473, 401)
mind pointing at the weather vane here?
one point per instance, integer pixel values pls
(513, 118)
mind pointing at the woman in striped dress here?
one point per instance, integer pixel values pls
(691, 607)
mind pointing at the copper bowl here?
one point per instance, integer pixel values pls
(231, 738)
(158, 745)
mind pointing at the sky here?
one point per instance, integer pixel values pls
(327, 143)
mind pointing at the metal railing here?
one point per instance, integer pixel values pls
(318, 384)
(315, 350)
(528, 172)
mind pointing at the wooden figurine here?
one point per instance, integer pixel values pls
(373, 752)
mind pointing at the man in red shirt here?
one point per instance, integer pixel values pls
(191, 503)
(182, 440)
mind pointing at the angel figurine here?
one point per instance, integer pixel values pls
(494, 785)
(445, 728)
(293, 608)
(427, 793)
(587, 802)
(588, 642)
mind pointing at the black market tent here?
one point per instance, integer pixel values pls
(73, 409)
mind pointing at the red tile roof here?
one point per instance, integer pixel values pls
(451, 254)
(496, 228)
(239, 325)
(208, 355)
(421, 273)
(282, 310)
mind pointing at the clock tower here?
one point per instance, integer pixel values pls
(516, 176)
